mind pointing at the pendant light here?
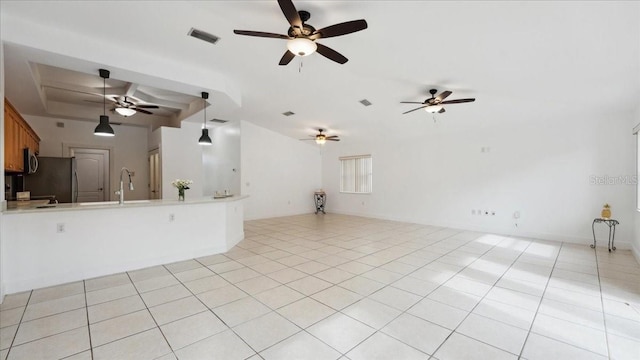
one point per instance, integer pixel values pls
(205, 139)
(104, 129)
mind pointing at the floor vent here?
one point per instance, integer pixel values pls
(202, 35)
(365, 102)
(288, 113)
(219, 121)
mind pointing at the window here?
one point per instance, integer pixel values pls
(355, 174)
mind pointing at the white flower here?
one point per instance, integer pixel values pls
(181, 183)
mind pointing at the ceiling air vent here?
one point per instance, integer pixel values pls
(219, 121)
(365, 102)
(202, 35)
(288, 113)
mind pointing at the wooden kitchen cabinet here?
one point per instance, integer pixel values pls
(18, 135)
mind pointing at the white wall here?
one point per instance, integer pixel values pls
(279, 173)
(181, 158)
(221, 160)
(128, 148)
(436, 173)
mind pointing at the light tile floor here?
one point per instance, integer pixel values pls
(332, 286)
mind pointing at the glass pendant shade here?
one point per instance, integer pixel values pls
(321, 140)
(104, 129)
(301, 46)
(125, 111)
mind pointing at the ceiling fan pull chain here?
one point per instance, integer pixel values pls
(300, 67)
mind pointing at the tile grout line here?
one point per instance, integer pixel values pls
(19, 323)
(86, 307)
(604, 317)
(148, 311)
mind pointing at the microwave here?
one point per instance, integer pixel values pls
(30, 161)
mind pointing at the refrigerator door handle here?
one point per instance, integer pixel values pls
(75, 175)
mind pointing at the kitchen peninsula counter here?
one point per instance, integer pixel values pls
(69, 242)
(42, 206)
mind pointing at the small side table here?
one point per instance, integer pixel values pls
(320, 198)
(611, 223)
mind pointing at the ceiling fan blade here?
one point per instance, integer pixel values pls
(458, 101)
(331, 54)
(291, 13)
(307, 139)
(286, 58)
(340, 29)
(332, 139)
(260, 34)
(144, 111)
(147, 107)
(421, 107)
(441, 111)
(443, 95)
(410, 102)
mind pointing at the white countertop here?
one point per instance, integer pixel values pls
(41, 208)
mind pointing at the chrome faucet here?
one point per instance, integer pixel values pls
(121, 191)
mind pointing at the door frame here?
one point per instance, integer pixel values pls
(67, 149)
(152, 152)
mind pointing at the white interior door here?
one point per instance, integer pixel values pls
(154, 175)
(92, 167)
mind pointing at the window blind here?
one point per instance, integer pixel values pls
(356, 174)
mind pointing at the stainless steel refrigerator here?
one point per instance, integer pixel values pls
(55, 177)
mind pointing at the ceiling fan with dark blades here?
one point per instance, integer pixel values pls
(126, 108)
(302, 36)
(434, 104)
(321, 137)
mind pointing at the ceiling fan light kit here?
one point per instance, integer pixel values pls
(302, 46)
(302, 36)
(125, 111)
(321, 138)
(434, 104)
(204, 138)
(103, 128)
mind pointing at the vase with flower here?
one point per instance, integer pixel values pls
(181, 185)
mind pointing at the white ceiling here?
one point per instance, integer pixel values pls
(522, 61)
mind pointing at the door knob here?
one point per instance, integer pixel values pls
(100, 189)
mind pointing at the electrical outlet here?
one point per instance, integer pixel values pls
(60, 227)
(172, 217)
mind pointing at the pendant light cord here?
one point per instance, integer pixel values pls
(104, 96)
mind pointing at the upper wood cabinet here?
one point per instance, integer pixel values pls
(18, 135)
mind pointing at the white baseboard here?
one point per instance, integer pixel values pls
(622, 245)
